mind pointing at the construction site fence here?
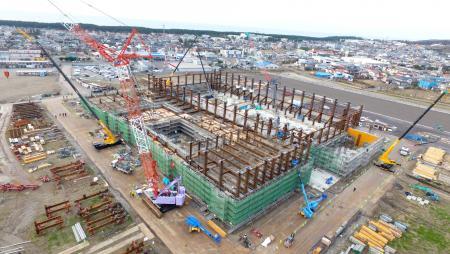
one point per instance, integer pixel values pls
(228, 209)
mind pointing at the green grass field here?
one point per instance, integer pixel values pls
(429, 231)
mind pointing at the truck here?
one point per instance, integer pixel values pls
(404, 151)
(122, 166)
(322, 245)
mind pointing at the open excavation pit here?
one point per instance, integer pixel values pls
(239, 144)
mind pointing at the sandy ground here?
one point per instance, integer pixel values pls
(171, 229)
(18, 88)
(280, 222)
(337, 210)
(19, 210)
(8, 163)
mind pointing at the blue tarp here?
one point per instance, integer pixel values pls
(416, 137)
(263, 64)
(427, 84)
(321, 74)
(158, 55)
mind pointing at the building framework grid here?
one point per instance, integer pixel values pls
(251, 159)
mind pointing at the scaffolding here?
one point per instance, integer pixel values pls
(236, 155)
(341, 160)
(231, 211)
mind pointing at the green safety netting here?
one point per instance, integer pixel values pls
(326, 158)
(228, 209)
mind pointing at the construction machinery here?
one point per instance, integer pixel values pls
(121, 60)
(195, 226)
(210, 94)
(122, 166)
(428, 191)
(289, 241)
(383, 161)
(310, 206)
(110, 139)
(172, 194)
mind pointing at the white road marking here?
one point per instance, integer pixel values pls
(405, 121)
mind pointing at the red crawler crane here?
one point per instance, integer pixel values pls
(121, 60)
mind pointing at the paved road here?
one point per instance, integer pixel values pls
(378, 105)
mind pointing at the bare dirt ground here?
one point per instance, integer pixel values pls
(429, 230)
(332, 213)
(282, 221)
(21, 88)
(171, 229)
(19, 210)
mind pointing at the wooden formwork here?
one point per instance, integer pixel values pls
(247, 152)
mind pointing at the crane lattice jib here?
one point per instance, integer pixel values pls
(121, 60)
(107, 53)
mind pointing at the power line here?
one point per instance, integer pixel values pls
(61, 11)
(104, 13)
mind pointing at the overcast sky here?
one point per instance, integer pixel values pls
(382, 19)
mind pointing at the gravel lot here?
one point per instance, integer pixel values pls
(18, 88)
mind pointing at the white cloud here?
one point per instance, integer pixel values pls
(393, 19)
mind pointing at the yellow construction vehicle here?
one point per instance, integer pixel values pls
(110, 139)
(384, 161)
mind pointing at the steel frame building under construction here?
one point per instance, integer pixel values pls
(239, 144)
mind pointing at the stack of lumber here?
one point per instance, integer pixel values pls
(217, 128)
(157, 114)
(32, 158)
(434, 156)
(425, 171)
(377, 235)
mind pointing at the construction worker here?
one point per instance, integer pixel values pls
(247, 243)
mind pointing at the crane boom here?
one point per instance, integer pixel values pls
(111, 139)
(383, 160)
(121, 60)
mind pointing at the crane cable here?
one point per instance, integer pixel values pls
(104, 13)
(181, 59)
(123, 23)
(61, 11)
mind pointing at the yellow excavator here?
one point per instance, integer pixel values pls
(110, 139)
(383, 161)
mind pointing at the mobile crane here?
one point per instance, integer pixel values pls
(383, 161)
(310, 205)
(111, 139)
(121, 59)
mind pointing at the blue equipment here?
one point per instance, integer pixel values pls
(195, 225)
(310, 207)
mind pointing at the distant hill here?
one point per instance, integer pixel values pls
(146, 30)
(431, 42)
